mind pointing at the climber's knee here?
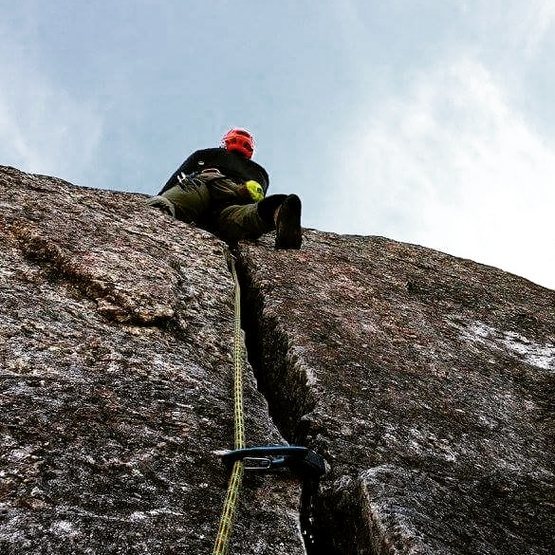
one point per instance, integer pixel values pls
(163, 204)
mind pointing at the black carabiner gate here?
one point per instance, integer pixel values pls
(298, 459)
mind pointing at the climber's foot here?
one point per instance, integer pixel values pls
(288, 224)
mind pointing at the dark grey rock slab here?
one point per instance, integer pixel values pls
(116, 382)
(426, 381)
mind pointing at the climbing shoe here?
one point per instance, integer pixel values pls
(288, 224)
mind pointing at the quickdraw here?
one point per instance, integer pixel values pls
(298, 459)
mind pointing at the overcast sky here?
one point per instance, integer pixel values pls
(425, 121)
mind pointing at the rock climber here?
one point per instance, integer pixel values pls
(223, 190)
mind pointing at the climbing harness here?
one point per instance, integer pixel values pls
(298, 459)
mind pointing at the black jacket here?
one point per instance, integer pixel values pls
(231, 164)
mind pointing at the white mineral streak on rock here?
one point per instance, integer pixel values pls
(4, 272)
(63, 528)
(19, 454)
(297, 353)
(139, 516)
(542, 356)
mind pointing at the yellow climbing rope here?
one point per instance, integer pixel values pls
(232, 496)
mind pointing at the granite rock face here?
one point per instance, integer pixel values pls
(116, 382)
(426, 381)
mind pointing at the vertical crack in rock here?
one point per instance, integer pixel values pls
(287, 412)
(270, 364)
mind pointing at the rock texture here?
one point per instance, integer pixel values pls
(426, 381)
(115, 380)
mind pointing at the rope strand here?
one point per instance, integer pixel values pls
(221, 544)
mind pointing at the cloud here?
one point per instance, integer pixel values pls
(530, 22)
(43, 128)
(520, 26)
(450, 165)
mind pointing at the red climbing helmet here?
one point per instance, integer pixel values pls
(239, 140)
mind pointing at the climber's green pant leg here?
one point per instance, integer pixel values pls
(191, 202)
(219, 205)
(233, 214)
(238, 222)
